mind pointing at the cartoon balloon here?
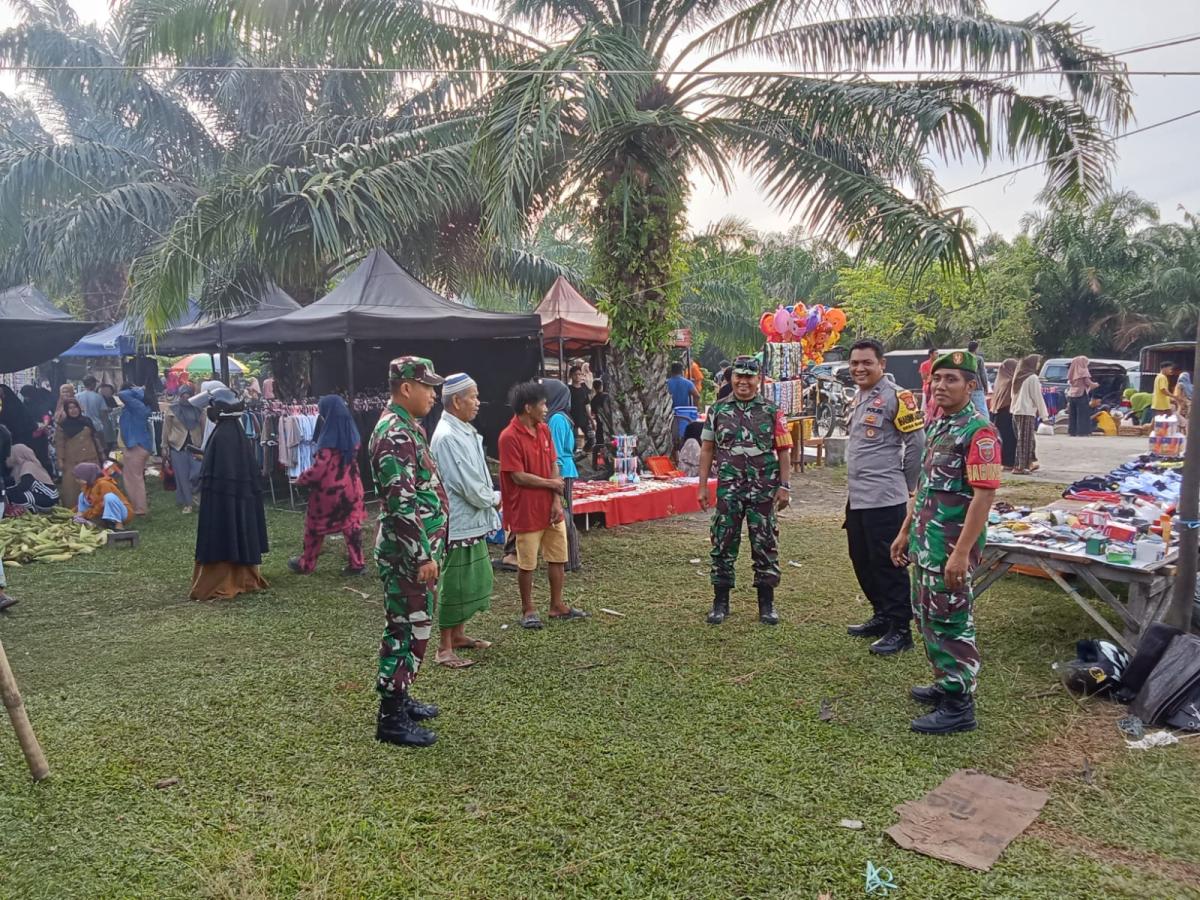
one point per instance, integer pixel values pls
(783, 321)
(837, 318)
(766, 324)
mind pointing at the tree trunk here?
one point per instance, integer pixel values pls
(637, 222)
(103, 290)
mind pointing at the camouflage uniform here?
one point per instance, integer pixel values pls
(962, 452)
(747, 436)
(413, 526)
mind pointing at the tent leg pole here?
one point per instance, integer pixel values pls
(562, 362)
(224, 352)
(350, 367)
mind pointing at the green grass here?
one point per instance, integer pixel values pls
(645, 756)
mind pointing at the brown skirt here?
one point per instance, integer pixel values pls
(224, 581)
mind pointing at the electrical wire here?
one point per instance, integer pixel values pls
(1035, 165)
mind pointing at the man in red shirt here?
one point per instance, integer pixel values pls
(531, 497)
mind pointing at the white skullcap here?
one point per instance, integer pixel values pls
(456, 384)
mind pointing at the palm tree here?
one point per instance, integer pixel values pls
(612, 106)
(1092, 277)
(95, 165)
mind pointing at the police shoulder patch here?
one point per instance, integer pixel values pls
(907, 398)
(907, 418)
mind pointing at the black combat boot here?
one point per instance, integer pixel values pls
(720, 609)
(956, 713)
(766, 605)
(928, 694)
(396, 726)
(897, 640)
(418, 710)
(874, 627)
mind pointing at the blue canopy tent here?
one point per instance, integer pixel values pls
(123, 338)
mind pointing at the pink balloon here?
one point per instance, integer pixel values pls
(783, 321)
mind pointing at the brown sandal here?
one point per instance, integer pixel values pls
(453, 661)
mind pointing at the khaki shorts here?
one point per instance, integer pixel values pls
(552, 541)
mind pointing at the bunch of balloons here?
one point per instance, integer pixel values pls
(817, 328)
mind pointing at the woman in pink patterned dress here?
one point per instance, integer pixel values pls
(335, 498)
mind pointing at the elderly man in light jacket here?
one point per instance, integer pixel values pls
(466, 579)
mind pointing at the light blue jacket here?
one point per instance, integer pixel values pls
(458, 450)
(135, 420)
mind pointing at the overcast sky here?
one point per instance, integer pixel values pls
(1161, 165)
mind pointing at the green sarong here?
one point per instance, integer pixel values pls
(466, 584)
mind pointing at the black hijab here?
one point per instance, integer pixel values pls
(72, 425)
(15, 417)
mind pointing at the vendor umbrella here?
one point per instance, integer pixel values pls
(202, 363)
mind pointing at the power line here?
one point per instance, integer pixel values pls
(730, 73)
(1035, 165)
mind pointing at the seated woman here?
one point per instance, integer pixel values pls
(689, 451)
(100, 500)
(32, 488)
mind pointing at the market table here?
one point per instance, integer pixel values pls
(1149, 584)
(631, 503)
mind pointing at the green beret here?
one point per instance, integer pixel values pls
(957, 359)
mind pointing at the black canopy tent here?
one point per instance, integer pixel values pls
(33, 330)
(214, 332)
(380, 311)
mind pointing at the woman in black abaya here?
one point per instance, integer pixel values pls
(231, 532)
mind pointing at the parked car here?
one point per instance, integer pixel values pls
(1111, 374)
(1182, 353)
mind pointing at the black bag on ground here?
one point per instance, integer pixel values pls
(1174, 683)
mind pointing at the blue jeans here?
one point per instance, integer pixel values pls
(979, 398)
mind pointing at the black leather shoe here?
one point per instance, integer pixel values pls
(396, 726)
(956, 713)
(420, 711)
(928, 694)
(897, 640)
(766, 605)
(720, 608)
(352, 572)
(876, 626)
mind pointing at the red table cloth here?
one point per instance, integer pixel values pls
(636, 503)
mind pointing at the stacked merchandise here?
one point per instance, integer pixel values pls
(1166, 440)
(1124, 518)
(784, 364)
(625, 466)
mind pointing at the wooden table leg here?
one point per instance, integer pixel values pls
(1087, 607)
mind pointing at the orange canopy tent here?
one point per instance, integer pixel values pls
(570, 322)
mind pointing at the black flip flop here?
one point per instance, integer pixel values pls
(531, 622)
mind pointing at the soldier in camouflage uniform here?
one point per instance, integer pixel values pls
(413, 525)
(748, 438)
(943, 537)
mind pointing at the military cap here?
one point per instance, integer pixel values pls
(957, 359)
(414, 368)
(746, 365)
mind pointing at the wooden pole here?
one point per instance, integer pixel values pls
(20, 721)
(1179, 613)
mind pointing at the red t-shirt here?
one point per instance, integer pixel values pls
(526, 509)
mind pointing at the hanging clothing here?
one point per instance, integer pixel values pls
(231, 534)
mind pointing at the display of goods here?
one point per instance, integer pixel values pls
(1093, 518)
(53, 537)
(1165, 426)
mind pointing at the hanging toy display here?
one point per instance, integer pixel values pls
(797, 336)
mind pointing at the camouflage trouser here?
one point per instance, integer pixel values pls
(946, 620)
(732, 507)
(408, 607)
